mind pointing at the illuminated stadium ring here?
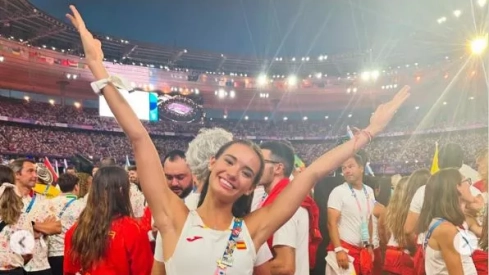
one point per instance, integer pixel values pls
(179, 109)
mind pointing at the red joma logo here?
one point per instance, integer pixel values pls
(194, 238)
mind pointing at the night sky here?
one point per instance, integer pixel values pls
(261, 28)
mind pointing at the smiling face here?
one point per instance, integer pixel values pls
(234, 173)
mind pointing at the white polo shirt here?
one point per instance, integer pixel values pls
(349, 225)
(259, 196)
(295, 233)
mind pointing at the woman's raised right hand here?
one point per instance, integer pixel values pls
(91, 46)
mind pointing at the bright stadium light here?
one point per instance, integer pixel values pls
(479, 44)
(481, 3)
(261, 80)
(292, 80)
(365, 76)
(375, 74)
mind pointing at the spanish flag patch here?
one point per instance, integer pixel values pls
(240, 245)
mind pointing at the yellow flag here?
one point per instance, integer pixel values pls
(434, 164)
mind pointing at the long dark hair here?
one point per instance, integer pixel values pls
(108, 199)
(242, 206)
(442, 199)
(10, 203)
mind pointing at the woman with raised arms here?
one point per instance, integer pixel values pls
(220, 237)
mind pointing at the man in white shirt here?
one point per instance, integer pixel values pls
(290, 243)
(350, 208)
(135, 195)
(43, 220)
(132, 172)
(67, 208)
(259, 194)
(450, 156)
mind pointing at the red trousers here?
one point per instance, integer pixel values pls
(480, 261)
(419, 261)
(377, 261)
(398, 262)
(363, 262)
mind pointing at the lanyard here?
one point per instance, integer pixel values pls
(430, 231)
(227, 257)
(31, 203)
(463, 233)
(262, 199)
(73, 198)
(358, 202)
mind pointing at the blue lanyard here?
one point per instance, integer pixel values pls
(227, 257)
(31, 203)
(66, 207)
(434, 226)
(430, 231)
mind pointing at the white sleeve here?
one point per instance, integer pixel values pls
(263, 255)
(371, 195)
(287, 234)
(474, 191)
(257, 197)
(137, 201)
(192, 201)
(335, 199)
(159, 249)
(417, 201)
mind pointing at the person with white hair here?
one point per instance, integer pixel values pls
(199, 152)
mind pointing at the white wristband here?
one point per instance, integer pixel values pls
(117, 81)
(151, 236)
(338, 249)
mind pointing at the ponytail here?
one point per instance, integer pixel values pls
(10, 206)
(10, 202)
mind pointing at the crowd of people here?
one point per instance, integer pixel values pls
(408, 121)
(398, 150)
(387, 154)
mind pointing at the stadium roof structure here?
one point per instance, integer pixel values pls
(22, 19)
(27, 25)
